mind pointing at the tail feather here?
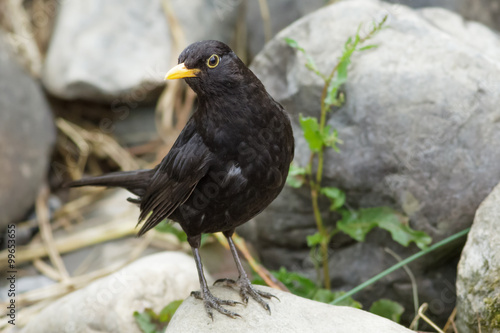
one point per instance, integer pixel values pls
(134, 181)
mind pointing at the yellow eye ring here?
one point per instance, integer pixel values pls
(213, 61)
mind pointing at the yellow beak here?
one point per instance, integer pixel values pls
(180, 71)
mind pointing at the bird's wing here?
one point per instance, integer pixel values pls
(175, 179)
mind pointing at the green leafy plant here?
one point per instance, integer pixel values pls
(302, 286)
(168, 227)
(402, 263)
(387, 309)
(151, 322)
(319, 136)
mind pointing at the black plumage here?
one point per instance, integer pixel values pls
(229, 162)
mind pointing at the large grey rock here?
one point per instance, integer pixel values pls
(27, 134)
(484, 11)
(290, 314)
(478, 282)
(466, 31)
(117, 51)
(100, 50)
(108, 304)
(420, 130)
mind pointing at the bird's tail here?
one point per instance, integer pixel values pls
(134, 181)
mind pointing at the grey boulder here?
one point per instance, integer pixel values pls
(117, 51)
(27, 134)
(484, 11)
(290, 314)
(478, 282)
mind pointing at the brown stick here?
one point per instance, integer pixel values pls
(42, 212)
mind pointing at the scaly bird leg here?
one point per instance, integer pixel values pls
(243, 283)
(209, 300)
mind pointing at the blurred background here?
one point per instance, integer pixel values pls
(82, 92)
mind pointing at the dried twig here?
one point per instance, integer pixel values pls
(17, 22)
(165, 107)
(97, 142)
(414, 323)
(241, 33)
(421, 312)
(42, 212)
(84, 149)
(266, 19)
(121, 227)
(61, 288)
(47, 270)
(451, 320)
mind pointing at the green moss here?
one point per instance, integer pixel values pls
(491, 312)
(485, 287)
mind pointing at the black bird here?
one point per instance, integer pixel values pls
(229, 162)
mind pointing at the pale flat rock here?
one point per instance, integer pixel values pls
(108, 304)
(290, 314)
(478, 281)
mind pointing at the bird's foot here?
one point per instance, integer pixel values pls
(212, 302)
(246, 290)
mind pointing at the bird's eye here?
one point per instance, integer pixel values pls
(213, 61)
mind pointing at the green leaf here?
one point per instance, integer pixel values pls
(292, 43)
(310, 64)
(168, 311)
(204, 239)
(145, 321)
(294, 181)
(336, 196)
(357, 224)
(367, 47)
(387, 309)
(168, 227)
(342, 69)
(296, 175)
(330, 138)
(401, 232)
(298, 284)
(301, 286)
(327, 296)
(348, 42)
(336, 82)
(312, 135)
(315, 239)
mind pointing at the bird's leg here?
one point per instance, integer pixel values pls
(210, 301)
(243, 283)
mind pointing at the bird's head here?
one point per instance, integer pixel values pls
(209, 67)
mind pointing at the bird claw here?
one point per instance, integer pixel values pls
(246, 289)
(212, 302)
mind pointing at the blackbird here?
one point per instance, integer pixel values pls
(229, 162)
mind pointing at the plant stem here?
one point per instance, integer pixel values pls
(324, 234)
(399, 265)
(315, 185)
